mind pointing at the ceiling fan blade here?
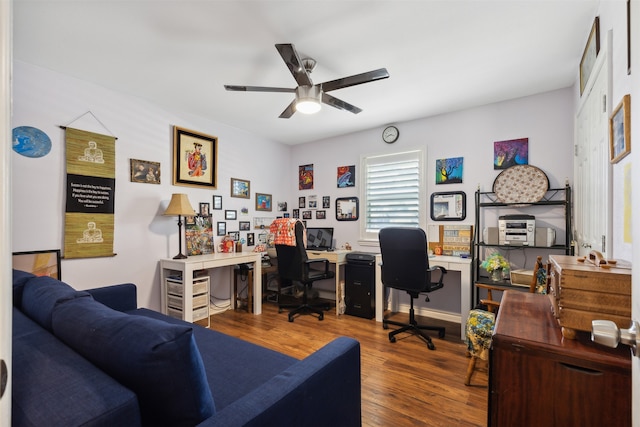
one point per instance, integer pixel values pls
(354, 80)
(339, 104)
(258, 89)
(288, 112)
(294, 63)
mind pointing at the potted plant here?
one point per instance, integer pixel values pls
(497, 266)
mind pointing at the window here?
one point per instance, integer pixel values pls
(392, 193)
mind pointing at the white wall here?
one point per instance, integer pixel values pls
(47, 100)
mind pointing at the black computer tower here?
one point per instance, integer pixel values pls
(360, 281)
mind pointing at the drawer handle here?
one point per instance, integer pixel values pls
(581, 369)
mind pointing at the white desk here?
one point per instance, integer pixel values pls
(463, 265)
(202, 262)
(338, 258)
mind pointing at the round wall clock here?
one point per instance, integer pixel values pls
(390, 134)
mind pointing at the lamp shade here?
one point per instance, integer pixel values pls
(308, 99)
(179, 205)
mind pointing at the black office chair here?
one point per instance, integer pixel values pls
(405, 266)
(294, 265)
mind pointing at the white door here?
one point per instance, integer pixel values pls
(592, 175)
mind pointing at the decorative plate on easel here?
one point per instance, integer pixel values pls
(521, 184)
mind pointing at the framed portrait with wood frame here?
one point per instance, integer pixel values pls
(620, 130)
(195, 158)
(263, 202)
(145, 171)
(240, 188)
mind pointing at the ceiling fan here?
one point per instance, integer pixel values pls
(309, 95)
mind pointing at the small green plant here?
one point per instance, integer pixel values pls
(495, 262)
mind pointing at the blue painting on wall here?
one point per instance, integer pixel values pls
(31, 142)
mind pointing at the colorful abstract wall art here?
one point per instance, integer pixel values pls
(510, 153)
(449, 171)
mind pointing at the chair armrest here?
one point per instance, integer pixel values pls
(442, 270)
(308, 264)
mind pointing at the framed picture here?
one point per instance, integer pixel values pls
(217, 203)
(145, 171)
(620, 130)
(282, 206)
(251, 239)
(326, 202)
(204, 209)
(296, 213)
(40, 263)
(245, 225)
(302, 202)
(195, 158)
(234, 235)
(263, 202)
(198, 232)
(230, 215)
(306, 214)
(449, 171)
(449, 206)
(590, 54)
(321, 214)
(346, 176)
(347, 208)
(305, 177)
(510, 153)
(240, 188)
(222, 228)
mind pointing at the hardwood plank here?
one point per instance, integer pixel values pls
(403, 383)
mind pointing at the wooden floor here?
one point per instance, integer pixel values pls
(403, 383)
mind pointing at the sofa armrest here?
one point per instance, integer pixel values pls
(322, 389)
(118, 297)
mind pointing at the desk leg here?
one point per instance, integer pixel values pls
(257, 286)
(337, 289)
(379, 290)
(465, 297)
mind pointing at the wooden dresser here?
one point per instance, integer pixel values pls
(538, 378)
(583, 291)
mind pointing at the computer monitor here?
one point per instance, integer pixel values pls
(319, 238)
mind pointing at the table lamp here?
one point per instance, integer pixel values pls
(179, 205)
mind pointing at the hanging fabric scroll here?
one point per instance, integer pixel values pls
(89, 217)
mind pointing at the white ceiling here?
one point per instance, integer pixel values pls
(442, 56)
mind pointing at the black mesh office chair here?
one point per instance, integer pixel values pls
(405, 266)
(294, 265)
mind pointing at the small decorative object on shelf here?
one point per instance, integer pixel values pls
(496, 265)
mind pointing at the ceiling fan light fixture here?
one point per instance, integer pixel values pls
(308, 99)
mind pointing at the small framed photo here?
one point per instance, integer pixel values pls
(145, 171)
(217, 203)
(263, 202)
(195, 158)
(245, 225)
(302, 202)
(230, 215)
(321, 214)
(204, 209)
(296, 213)
(251, 239)
(326, 202)
(620, 130)
(240, 188)
(306, 214)
(222, 228)
(234, 235)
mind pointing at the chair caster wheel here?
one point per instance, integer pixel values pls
(290, 319)
(392, 339)
(320, 317)
(441, 334)
(431, 346)
(385, 326)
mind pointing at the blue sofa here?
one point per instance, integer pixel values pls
(93, 358)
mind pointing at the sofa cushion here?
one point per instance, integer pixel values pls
(41, 294)
(19, 279)
(159, 361)
(54, 386)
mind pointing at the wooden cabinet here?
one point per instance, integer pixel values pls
(537, 378)
(583, 291)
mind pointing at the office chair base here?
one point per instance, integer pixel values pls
(309, 309)
(415, 329)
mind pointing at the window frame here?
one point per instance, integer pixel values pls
(370, 238)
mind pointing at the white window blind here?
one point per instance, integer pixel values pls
(392, 192)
